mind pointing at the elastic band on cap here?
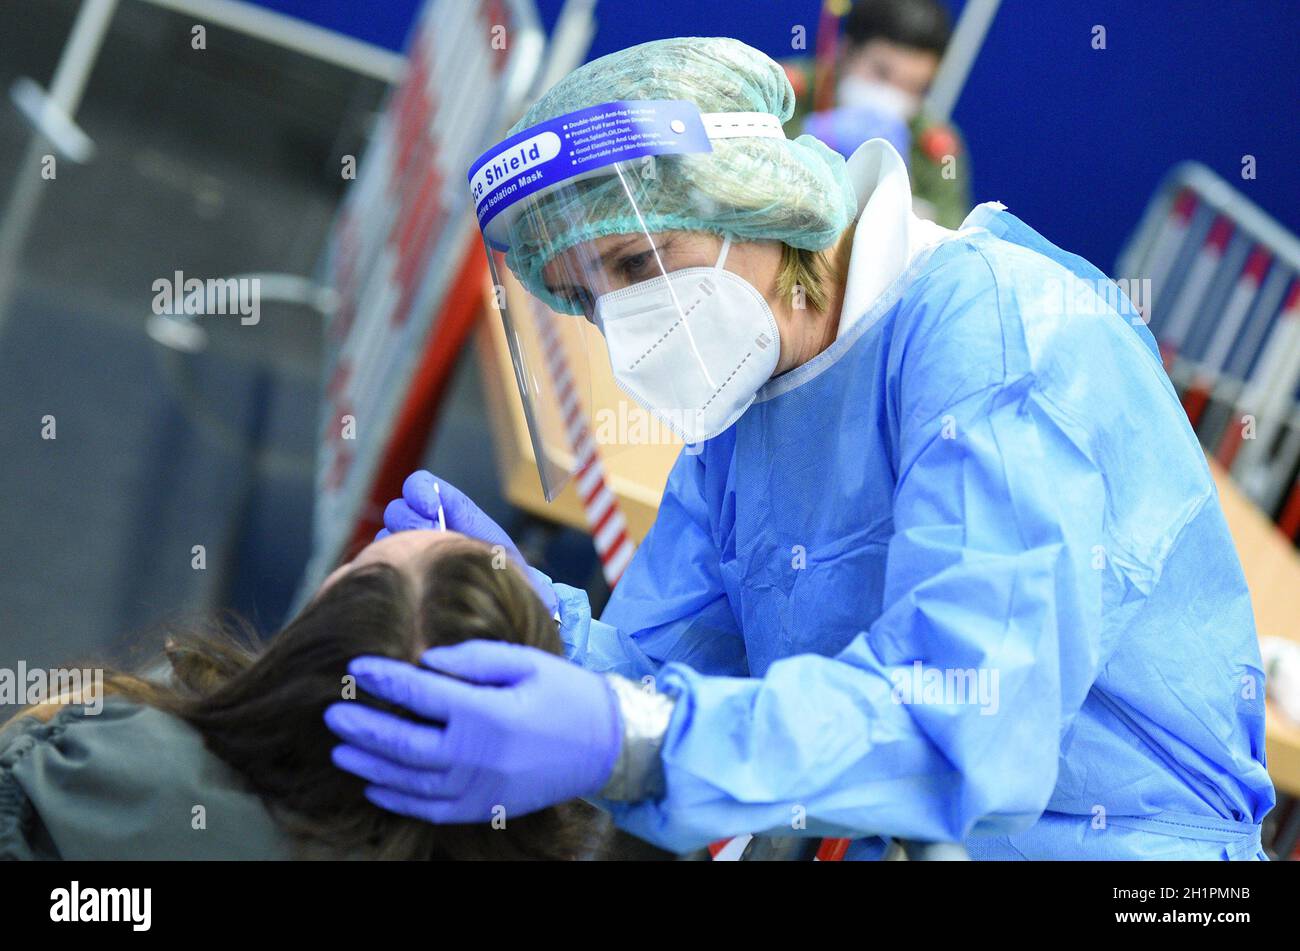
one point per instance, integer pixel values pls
(735, 125)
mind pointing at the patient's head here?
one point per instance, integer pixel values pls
(260, 709)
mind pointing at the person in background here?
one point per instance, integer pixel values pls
(888, 56)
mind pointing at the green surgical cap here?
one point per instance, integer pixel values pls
(747, 188)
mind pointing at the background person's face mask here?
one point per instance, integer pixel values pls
(693, 346)
(856, 92)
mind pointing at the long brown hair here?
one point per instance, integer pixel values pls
(259, 707)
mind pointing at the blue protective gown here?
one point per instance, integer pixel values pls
(973, 485)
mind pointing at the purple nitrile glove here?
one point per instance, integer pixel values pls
(418, 508)
(527, 731)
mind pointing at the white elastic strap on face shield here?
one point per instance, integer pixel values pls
(736, 125)
(719, 265)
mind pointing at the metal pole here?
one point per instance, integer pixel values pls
(570, 41)
(80, 53)
(294, 34)
(66, 89)
(967, 39)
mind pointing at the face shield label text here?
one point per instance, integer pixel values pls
(578, 144)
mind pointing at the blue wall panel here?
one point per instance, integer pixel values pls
(1074, 140)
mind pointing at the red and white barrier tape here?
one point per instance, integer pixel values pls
(604, 516)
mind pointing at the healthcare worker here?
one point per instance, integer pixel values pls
(943, 560)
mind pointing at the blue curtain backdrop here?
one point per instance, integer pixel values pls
(1072, 139)
(382, 22)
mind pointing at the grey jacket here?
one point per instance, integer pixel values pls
(126, 783)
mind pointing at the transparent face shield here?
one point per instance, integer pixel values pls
(576, 216)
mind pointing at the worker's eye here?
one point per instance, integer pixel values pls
(635, 267)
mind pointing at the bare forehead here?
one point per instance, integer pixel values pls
(414, 551)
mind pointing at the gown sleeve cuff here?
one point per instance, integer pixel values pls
(638, 772)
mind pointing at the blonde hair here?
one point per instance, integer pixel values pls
(816, 272)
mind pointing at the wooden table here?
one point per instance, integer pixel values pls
(1272, 567)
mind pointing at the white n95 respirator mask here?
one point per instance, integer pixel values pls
(856, 92)
(692, 346)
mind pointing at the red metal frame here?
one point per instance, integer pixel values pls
(415, 423)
